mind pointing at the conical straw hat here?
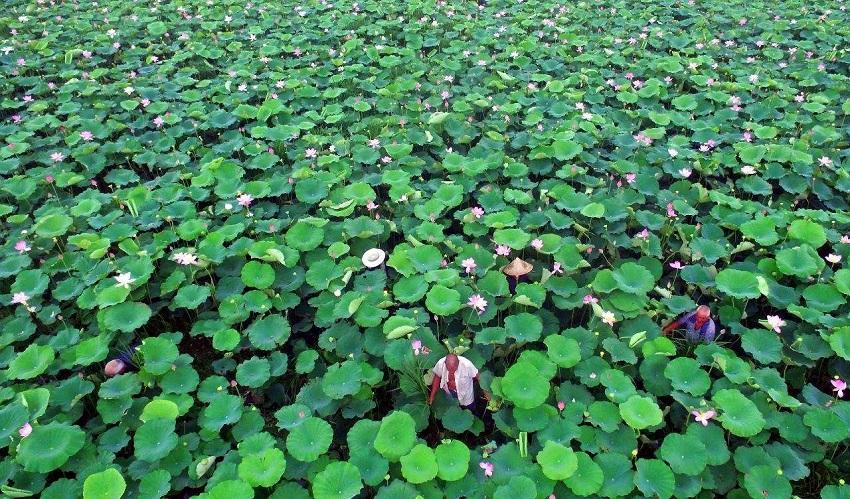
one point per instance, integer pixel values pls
(517, 268)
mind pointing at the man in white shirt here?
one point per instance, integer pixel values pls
(456, 376)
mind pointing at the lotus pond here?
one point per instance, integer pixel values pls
(237, 236)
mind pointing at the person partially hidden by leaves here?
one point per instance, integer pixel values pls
(456, 375)
(699, 326)
(121, 362)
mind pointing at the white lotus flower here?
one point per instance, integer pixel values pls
(374, 257)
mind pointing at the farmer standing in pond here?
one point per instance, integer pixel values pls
(456, 376)
(698, 324)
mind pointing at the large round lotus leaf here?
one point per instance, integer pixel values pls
(807, 232)
(588, 477)
(155, 484)
(263, 469)
(524, 327)
(618, 472)
(254, 372)
(309, 440)
(339, 480)
(801, 261)
(762, 230)
(425, 258)
(126, 317)
(633, 278)
(154, 440)
(562, 350)
(223, 409)
(765, 346)
(565, 150)
(231, 489)
(685, 454)
(342, 379)
(525, 386)
(34, 360)
(654, 478)
(158, 353)
(290, 416)
(738, 283)
(640, 412)
(513, 238)
(49, 447)
(518, 487)
(457, 419)
(738, 414)
(107, 484)
(443, 301)
(823, 297)
(419, 465)
(452, 460)
(159, 409)
(304, 236)
(842, 280)
(410, 289)
(839, 340)
(767, 481)
(269, 332)
(558, 461)
(396, 435)
(826, 425)
(190, 296)
(257, 274)
(686, 375)
(53, 225)
(12, 417)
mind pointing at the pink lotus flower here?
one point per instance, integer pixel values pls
(824, 161)
(371, 206)
(417, 346)
(775, 322)
(676, 265)
(588, 299)
(374, 143)
(845, 239)
(561, 405)
(672, 152)
(245, 200)
(22, 246)
(469, 265)
(671, 212)
(608, 317)
(748, 170)
(630, 177)
(833, 258)
(487, 467)
(25, 430)
(477, 303)
(685, 172)
(86, 135)
(644, 234)
(537, 244)
(185, 258)
(20, 298)
(503, 250)
(478, 212)
(57, 156)
(747, 137)
(158, 121)
(838, 385)
(311, 153)
(703, 416)
(556, 268)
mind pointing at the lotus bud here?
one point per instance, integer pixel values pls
(114, 367)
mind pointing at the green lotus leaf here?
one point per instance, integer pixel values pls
(633, 278)
(842, 280)
(524, 386)
(222, 410)
(765, 346)
(159, 354)
(826, 425)
(588, 477)
(654, 478)
(396, 435)
(513, 238)
(640, 412)
(619, 475)
(253, 373)
(739, 415)
(269, 332)
(53, 225)
(229, 489)
(807, 232)
(565, 150)
(442, 301)
(767, 481)
(159, 409)
(801, 261)
(126, 317)
(558, 461)
(154, 440)
(685, 375)
(339, 480)
(419, 465)
(562, 350)
(107, 484)
(263, 469)
(452, 460)
(33, 361)
(523, 327)
(738, 283)
(309, 440)
(839, 340)
(685, 454)
(49, 447)
(343, 379)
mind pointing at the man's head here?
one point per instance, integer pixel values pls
(703, 312)
(452, 362)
